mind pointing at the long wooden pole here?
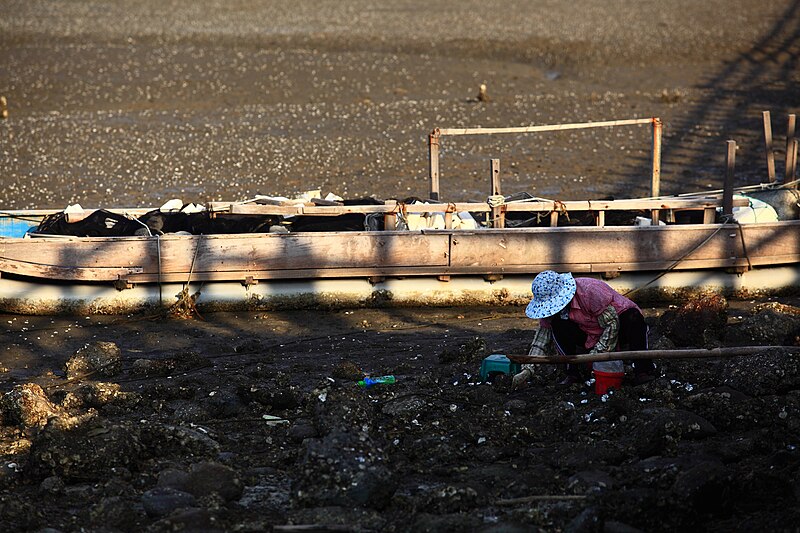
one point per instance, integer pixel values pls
(791, 166)
(549, 127)
(433, 163)
(727, 190)
(690, 353)
(655, 183)
(768, 145)
(494, 189)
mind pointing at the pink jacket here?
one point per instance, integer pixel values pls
(592, 297)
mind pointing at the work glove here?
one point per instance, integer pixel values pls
(521, 380)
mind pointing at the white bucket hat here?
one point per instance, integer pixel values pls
(551, 293)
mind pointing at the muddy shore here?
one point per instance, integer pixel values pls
(120, 105)
(253, 421)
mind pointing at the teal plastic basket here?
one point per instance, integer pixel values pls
(498, 364)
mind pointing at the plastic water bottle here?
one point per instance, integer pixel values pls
(369, 382)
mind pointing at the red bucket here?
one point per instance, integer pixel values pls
(607, 380)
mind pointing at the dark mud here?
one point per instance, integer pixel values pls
(254, 422)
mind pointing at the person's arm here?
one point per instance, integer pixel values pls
(609, 321)
(541, 345)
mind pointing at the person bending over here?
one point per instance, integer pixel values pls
(584, 315)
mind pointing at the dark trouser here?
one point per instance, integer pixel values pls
(632, 335)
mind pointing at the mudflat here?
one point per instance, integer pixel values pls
(121, 104)
(253, 421)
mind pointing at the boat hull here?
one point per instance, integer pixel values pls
(436, 267)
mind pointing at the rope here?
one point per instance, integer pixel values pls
(677, 262)
(744, 247)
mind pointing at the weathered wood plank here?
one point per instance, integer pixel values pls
(436, 252)
(550, 127)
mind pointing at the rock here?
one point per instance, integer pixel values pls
(97, 358)
(662, 428)
(270, 394)
(348, 371)
(153, 367)
(472, 351)
(162, 501)
(703, 487)
(115, 512)
(450, 498)
(28, 406)
(163, 440)
(435, 523)
(774, 371)
(516, 406)
(52, 485)
(612, 526)
(188, 520)
(223, 404)
(86, 452)
(97, 395)
(343, 468)
(590, 481)
(302, 429)
(207, 478)
(700, 322)
(588, 521)
(173, 478)
(410, 406)
(770, 326)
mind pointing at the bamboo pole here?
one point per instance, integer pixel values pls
(790, 166)
(689, 353)
(433, 163)
(549, 127)
(730, 165)
(768, 145)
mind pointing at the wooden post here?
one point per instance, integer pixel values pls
(655, 184)
(497, 212)
(790, 173)
(790, 127)
(601, 218)
(433, 163)
(768, 145)
(390, 219)
(727, 190)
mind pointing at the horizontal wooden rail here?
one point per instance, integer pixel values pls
(549, 127)
(478, 207)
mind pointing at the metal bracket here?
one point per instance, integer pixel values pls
(249, 280)
(121, 284)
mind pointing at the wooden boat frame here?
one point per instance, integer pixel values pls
(489, 253)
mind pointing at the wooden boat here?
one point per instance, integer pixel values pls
(493, 264)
